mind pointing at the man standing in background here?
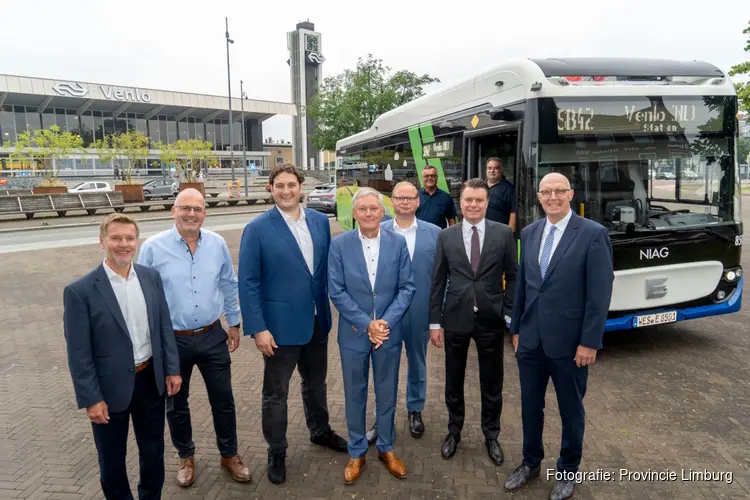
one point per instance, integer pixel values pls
(502, 204)
(435, 205)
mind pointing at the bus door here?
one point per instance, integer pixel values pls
(501, 142)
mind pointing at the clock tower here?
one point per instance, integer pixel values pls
(305, 69)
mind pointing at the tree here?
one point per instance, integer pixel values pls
(134, 146)
(350, 102)
(46, 145)
(743, 150)
(743, 88)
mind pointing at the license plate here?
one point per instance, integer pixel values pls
(312, 198)
(655, 319)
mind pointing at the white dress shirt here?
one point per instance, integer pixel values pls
(559, 230)
(467, 233)
(371, 249)
(133, 307)
(410, 233)
(302, 234)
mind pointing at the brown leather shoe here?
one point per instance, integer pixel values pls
(394, 464)
(240, 473)
(186, 472)
(353, 469)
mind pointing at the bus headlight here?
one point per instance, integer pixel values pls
(733, 274)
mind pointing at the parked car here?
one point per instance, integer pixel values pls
(91, 187)
(323, 198)
(160, 189)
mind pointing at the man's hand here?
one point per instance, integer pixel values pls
(514, 339)
(265, 343)
(174, 382)
(234, 338)
(585, 356)
(378, 332)
(436, 337)
(98, 413)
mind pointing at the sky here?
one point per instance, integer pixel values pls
(181, 46)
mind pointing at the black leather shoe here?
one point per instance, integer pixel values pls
(562, 489)
(416, 426)
(277, 466)
(330, 440)
(449, 445)
(372, 434)
(494, 451)
(520, 476)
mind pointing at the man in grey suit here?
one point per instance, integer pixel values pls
(472, 258)
(421, 240)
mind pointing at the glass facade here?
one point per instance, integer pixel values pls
(93, 125)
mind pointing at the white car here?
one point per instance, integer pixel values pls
(91, 187)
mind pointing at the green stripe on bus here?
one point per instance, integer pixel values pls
(417, 143)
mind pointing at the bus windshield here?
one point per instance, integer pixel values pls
(640, 163)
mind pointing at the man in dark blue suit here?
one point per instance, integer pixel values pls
(283, 287)
(562, 298)
(122, 357)
(421, 240)
(371, 283)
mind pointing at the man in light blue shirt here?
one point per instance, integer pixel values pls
(200, 283)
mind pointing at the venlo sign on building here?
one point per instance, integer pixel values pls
(74, 89)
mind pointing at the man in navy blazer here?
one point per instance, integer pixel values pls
(564, 288)
(283, 287)
(371, 283)
(122, 357)
(421, 240)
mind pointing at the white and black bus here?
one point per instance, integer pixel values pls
(649, 147)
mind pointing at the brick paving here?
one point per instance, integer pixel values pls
(672, 398)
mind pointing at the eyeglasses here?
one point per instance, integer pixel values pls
(186, 209)
(399, 199)
(429, 176)
(364, 210)
(546, 193)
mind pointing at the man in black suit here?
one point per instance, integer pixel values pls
(122, 356)
(471, 259)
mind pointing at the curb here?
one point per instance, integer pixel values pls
(86, 224)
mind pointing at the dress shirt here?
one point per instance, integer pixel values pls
(467, 233)
(371, 249)
(410, 233)
(196, 286)
(560, 228)
(301, 233)
(132, 303)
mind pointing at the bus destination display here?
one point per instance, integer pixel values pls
(642, 116)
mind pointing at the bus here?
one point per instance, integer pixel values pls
(649, 147)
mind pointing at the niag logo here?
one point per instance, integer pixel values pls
(654, 253)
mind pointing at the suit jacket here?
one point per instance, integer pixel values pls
(357, 303)
(100, 350)
(498, 256)
(277, 291)
(570, 307)
(422, 262)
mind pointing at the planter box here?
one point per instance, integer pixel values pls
(49, 190)
(194, 185)
(131, 193)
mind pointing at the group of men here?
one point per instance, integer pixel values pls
(135, 331)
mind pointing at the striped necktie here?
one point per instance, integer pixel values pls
(547, 252)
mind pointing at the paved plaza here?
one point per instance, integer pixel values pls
(672, 398)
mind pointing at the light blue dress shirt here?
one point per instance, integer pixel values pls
(198, 287)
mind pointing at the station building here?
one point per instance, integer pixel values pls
(94, 110)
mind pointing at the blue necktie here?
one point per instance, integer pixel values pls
(547, 251)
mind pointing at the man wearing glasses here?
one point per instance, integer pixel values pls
(200, 283)
(435, 205)
(421, 239)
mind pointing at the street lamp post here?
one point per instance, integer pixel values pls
(244, 148)
(229, 84)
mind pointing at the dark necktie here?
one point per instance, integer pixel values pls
(474, 249)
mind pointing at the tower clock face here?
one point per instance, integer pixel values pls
(311, 43)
